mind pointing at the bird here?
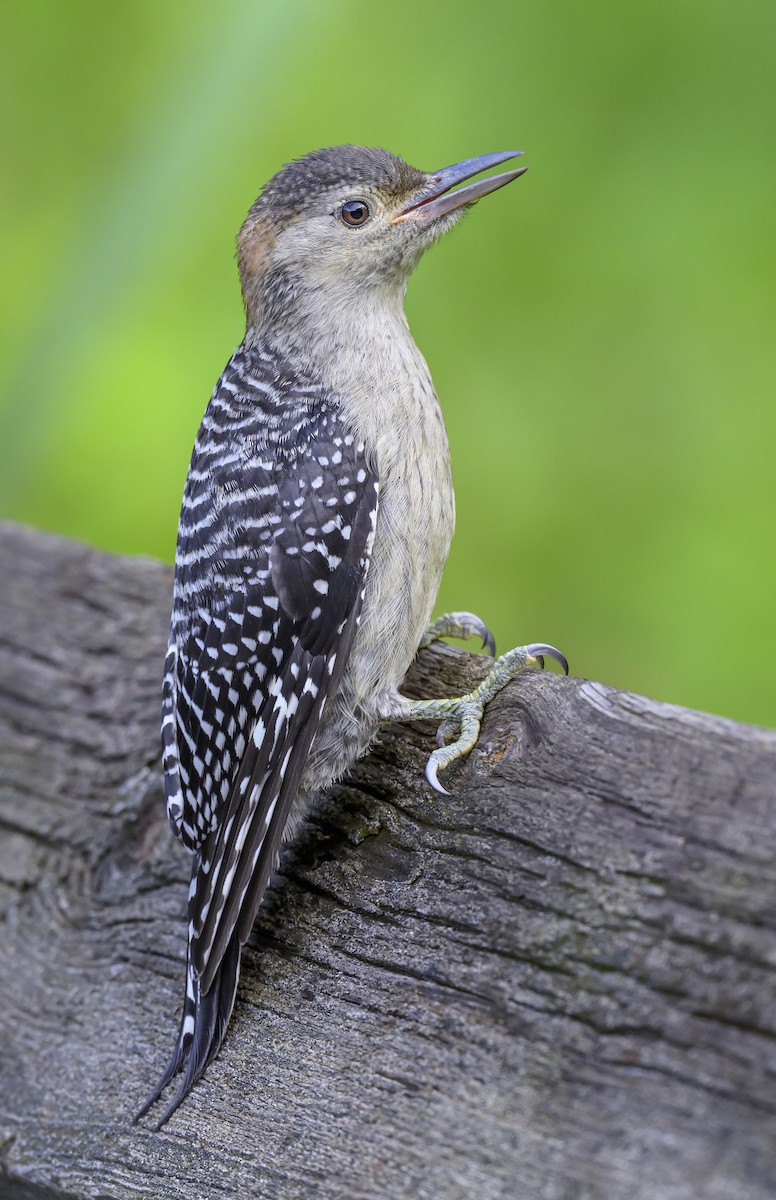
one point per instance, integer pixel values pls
(316, 520)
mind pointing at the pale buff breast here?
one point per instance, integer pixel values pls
(415, 521)
(384, 388)
(412, 539)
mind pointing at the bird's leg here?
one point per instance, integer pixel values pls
(463, 714)
(463, 625)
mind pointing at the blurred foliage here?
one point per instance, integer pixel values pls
(600, 333)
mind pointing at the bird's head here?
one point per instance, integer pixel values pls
(348, 219)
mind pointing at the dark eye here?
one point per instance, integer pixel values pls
(354, 212)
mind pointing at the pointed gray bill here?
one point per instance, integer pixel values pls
(437, 199)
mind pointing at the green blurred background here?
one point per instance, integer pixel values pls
(601, 333)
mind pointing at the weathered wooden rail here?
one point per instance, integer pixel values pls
(556, 984)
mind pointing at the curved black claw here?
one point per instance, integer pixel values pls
(489, 642)
(539, 649)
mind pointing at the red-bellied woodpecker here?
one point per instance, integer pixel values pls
(316, 521)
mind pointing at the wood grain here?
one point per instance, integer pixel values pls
(555, 984)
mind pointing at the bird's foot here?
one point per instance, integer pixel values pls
(461, 717)
(463, 625)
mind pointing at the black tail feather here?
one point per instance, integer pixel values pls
(203, 1026)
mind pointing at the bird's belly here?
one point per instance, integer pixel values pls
(415, 521)
(404, 432)
(414, 530)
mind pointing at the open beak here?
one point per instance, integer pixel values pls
(437, 199)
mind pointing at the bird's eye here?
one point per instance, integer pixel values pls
(354, 212)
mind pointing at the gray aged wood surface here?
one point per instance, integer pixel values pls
(556, 983)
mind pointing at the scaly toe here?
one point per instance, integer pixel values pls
(465, 719)
(446, 730)
(462, 625)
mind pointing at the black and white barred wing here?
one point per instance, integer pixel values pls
(274, 583)
(319, 592)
